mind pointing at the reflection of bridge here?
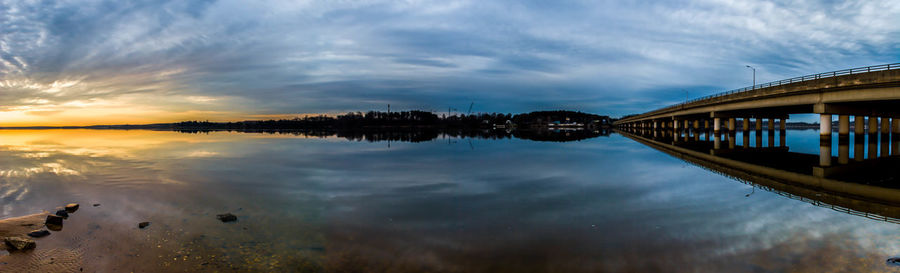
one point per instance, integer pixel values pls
(871, 92)
(794, 175)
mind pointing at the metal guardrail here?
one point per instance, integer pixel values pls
(825, 75)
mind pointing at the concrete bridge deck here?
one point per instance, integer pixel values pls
(868, 93)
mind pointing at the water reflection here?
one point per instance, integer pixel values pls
(326, 204)
(428, 134)
(865, 187)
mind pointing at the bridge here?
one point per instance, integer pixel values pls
(866, 93)
(863, 186)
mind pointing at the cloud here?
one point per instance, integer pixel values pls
(277, 57)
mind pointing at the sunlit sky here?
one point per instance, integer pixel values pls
(115, 62)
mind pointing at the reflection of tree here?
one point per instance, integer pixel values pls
(407, 134)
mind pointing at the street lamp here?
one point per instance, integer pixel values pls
(754, 76)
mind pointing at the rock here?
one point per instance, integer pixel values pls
(72, 207)
(143, 224)
(62, 213)
(39, 233)
(19, 243)
(893, 261)
(54, 220)
(228, 217)
(96, 205)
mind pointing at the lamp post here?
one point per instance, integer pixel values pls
(754, 76)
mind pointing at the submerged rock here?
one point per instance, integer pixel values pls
(62, 213)
(893, 261)
(72, 207)
(54, 220)
(228, 217)
(39, 233)
(19, 243)
(143, 224)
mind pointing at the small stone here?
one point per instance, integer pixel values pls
(72, 207)
(62, 213)
(39, 233)
(228, 217)
(143, 224)
(893, 261)
(54, 220)
(19, 243)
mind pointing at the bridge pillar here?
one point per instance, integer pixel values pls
(885, 146)
(859, 125)
(895, 126)
(825, 151)
(717, 125)
(825, 125)
(717, 142)
(782, 125)
(758, 137)
(759, 122)
(696, 124)
(895, 145)
(771, 124)
(859, 148)
(730, 125)
(782, 138)
(706, 124)
(885, 125)
(873, 125)
(731, 140)
(843, 125)
(771, 138)
(872, 146)
(844, 150)
(746, 123)
(746, 140)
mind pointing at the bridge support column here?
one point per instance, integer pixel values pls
(706, 124)
(885, 146)
(825, 125)
(717, 124)
(746, 123)
(844, 150)
(895, 145)
(859, 148)
(771, 138)
(759, 122)
(872, 146)
(885, 125)
(859, 125)
(873, 125)
(730, 125)
(687, 124)
(782, 138)
(746, 139)
(843, 125)
(825, 150)
(771, 125)
(782, 125)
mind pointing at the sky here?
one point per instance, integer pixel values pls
(117, 62)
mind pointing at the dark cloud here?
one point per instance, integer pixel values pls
(288, 57)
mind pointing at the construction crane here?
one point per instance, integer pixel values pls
(470, 108)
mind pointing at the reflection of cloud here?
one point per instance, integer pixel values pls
(202, 154)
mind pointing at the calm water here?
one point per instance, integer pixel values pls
(607, 204)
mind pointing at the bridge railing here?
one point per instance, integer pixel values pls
(858, 70)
